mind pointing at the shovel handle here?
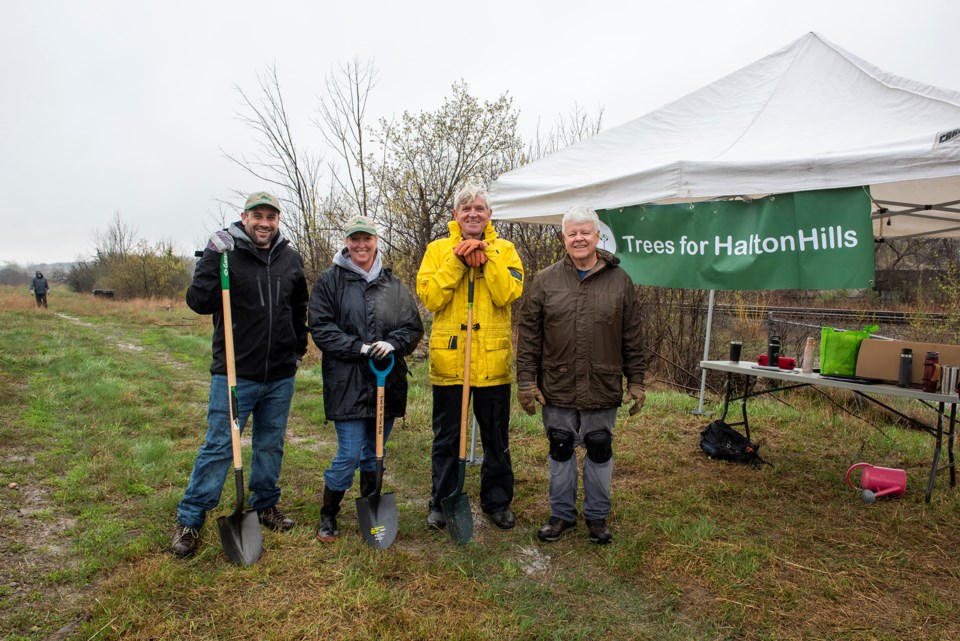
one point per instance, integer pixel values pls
(381, 374)
(231, 361)
(468, 348)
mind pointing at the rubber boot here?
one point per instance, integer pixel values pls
(368, 483)
(327, 531)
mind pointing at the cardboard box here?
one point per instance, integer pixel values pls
(881, 359)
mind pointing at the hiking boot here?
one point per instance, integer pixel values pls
(599, 532)
(503, 520)
(554, 529)
(436, 520)
(185, 541)
(327, 531)
(274, 519)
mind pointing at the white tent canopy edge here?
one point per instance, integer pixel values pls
(809, 116)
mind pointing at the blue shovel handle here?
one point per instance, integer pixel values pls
(381, 374)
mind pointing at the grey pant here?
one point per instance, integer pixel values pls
(563, 475)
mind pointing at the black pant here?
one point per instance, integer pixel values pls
(491, 406)
(41, 299)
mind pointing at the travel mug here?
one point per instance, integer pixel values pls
(735, 348)
(906, 368)
(931, 372)
(773, 351)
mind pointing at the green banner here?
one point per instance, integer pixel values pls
(804, 240)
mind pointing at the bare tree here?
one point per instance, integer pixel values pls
(342, 119)
(541, 245)
(116, 241)
(567, 130)
(292, 171)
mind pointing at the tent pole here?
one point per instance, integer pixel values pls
(706, 353)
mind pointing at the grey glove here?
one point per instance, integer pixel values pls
(380, 349)
(221, 241)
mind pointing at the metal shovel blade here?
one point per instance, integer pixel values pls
(456, 510)
(241, 537)
(379, 520)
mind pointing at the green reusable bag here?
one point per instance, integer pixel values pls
(839, 349)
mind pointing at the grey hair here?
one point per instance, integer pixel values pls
(466, 195)
(580, 214)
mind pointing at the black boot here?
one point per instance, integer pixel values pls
(368, 483)
(327, 531)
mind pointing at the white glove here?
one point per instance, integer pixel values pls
(364, 349)
(380, 349)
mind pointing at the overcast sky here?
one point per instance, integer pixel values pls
(120, 106)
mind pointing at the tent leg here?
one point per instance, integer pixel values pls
(706, 354)
(474, 459)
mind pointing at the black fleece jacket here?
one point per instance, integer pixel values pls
(268, 296)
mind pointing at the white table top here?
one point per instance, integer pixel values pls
(796, 376)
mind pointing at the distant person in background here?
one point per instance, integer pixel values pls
(39, 286)
(359, 311)
(579, 335)
(268, 296)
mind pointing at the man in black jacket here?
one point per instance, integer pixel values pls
(268, 294)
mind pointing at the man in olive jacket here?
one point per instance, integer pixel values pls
(442, 284)
(580, 334)
(268, 295)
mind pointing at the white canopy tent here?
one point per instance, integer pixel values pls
(809, 116)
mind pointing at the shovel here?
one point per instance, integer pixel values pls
(378, 512)
(240, 532)
(456, 507)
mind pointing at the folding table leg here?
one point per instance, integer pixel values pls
(936, 451)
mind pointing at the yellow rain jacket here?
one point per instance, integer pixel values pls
(442, 284)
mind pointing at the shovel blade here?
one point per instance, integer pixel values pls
(241, 537)
(456, 510)
(379, 520)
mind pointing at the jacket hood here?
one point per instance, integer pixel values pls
(489, 233)
(240, 236)
(342, 259)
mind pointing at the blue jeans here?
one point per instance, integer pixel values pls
(269, 403)
(356, 448)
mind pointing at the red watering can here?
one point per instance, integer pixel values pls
(879, 481)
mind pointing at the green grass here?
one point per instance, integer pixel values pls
(103, 416)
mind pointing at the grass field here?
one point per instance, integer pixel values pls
(103, 409)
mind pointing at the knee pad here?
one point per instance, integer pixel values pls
(561, 445)
(599, 446)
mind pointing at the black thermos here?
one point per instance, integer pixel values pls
(906, 367)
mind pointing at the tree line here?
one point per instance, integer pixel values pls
(401, 172)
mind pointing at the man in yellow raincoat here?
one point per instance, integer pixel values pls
(442, 284)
